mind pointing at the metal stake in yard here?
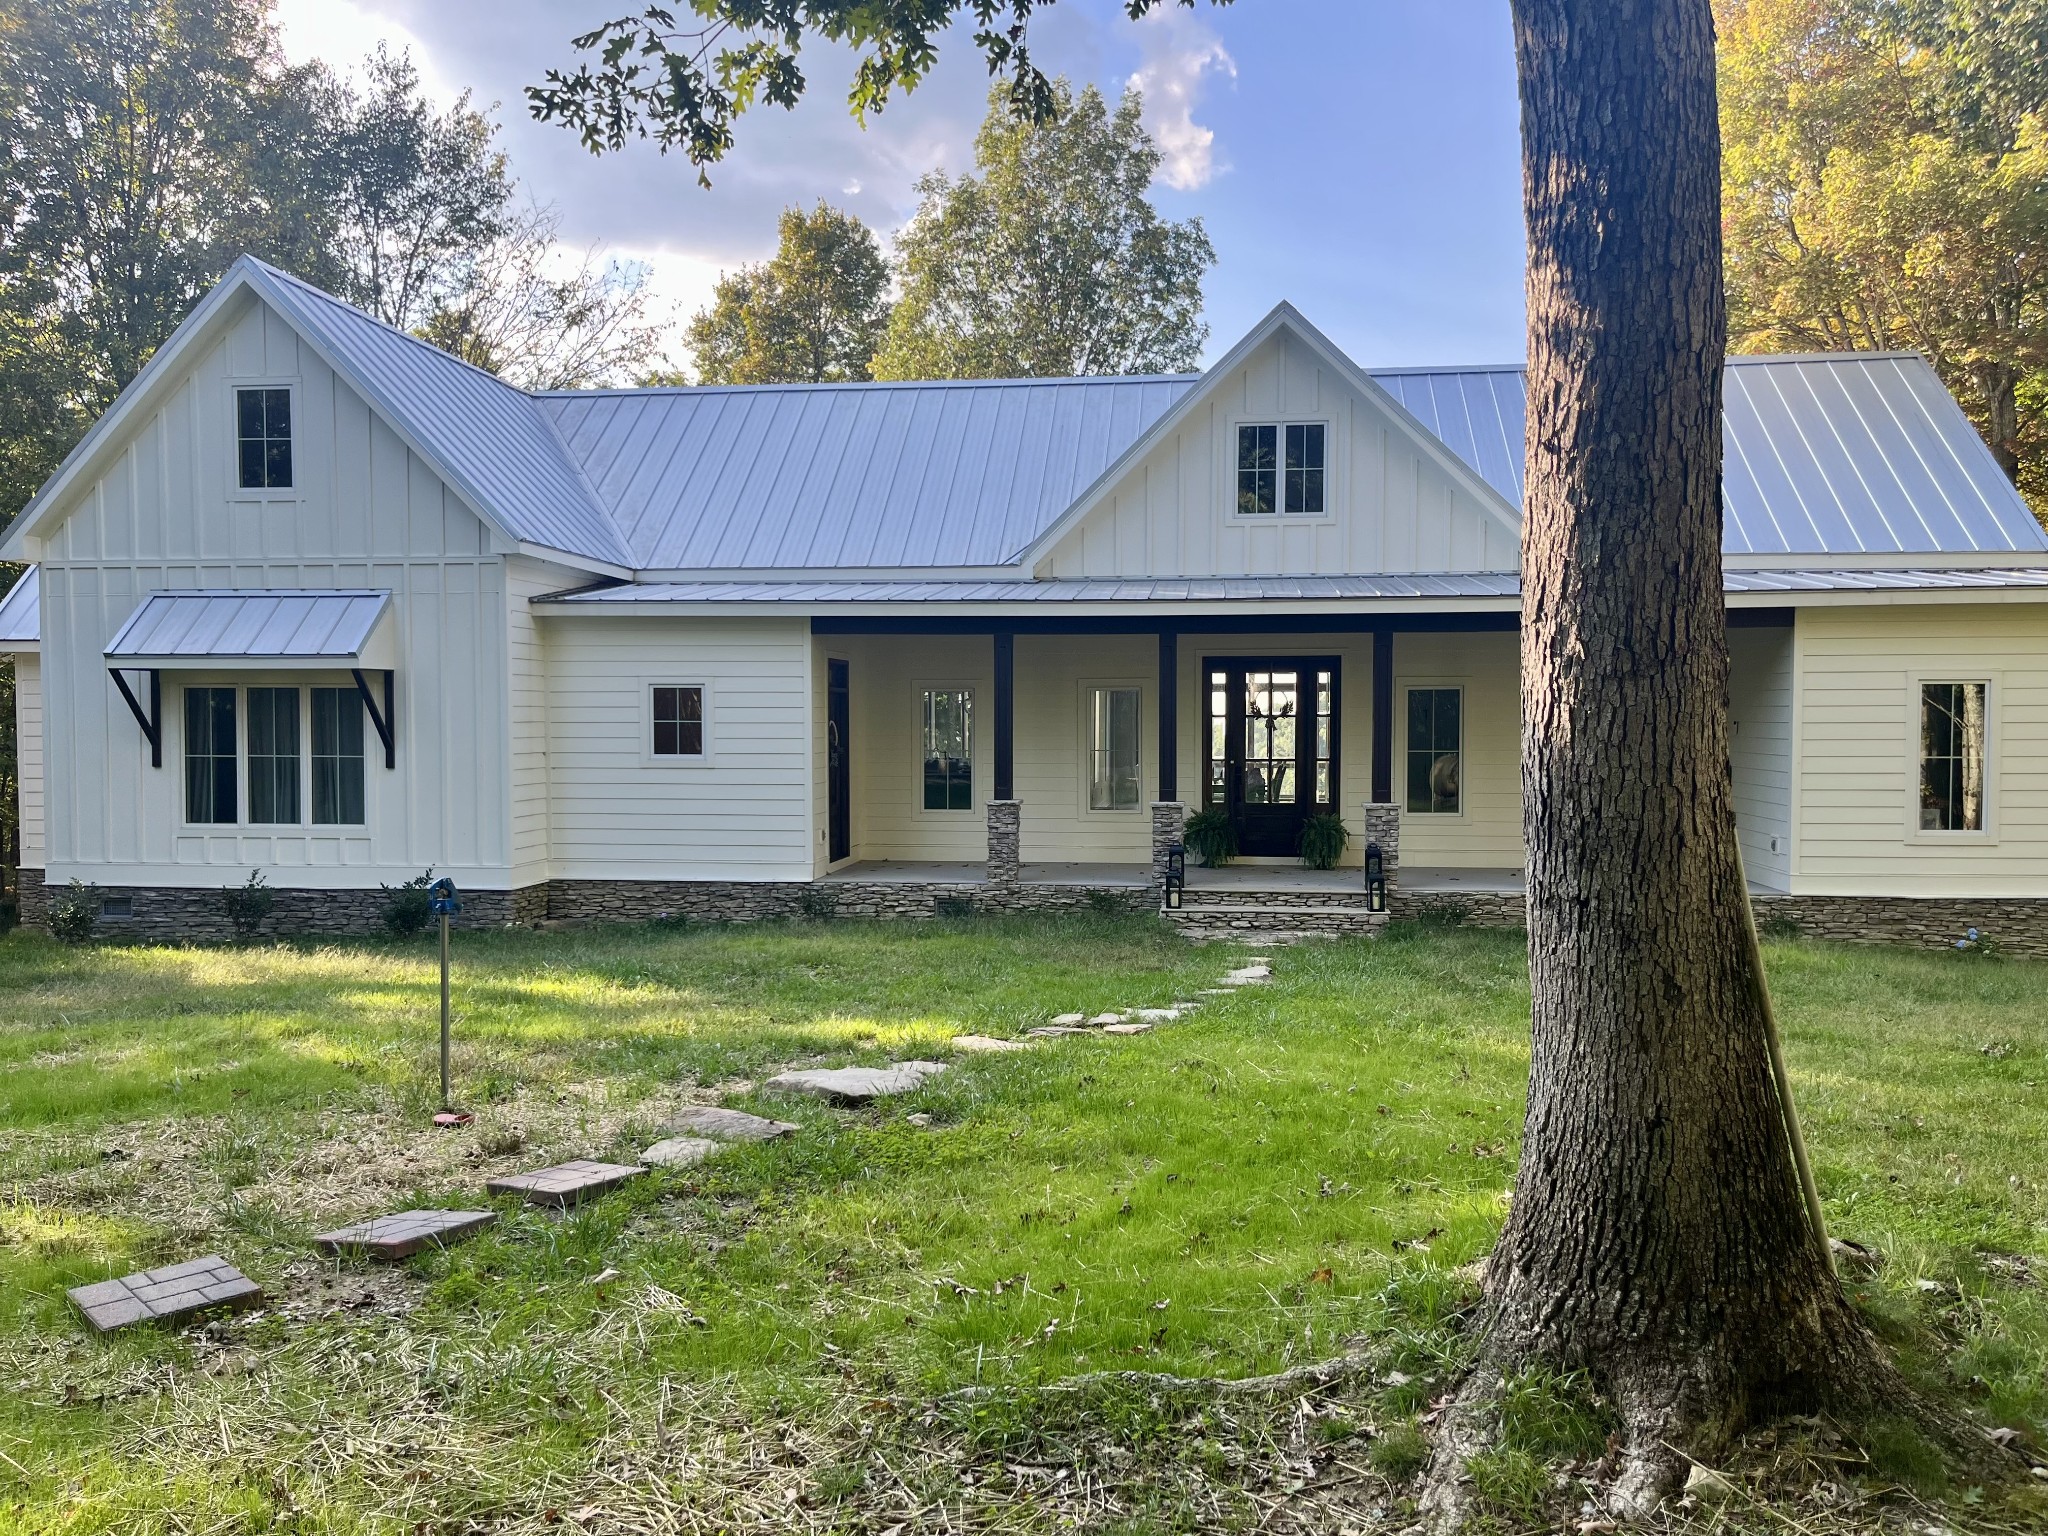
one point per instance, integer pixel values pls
(445, 903)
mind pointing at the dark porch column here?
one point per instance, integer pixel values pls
(1169, 714)
(1382, 716)
(1006, 714)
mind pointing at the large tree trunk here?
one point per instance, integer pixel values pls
(1659, 1240)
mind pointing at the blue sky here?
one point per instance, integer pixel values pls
(1355, 156)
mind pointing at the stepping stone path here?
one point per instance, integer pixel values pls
(1248, 976)
(1125, 1029)
(166, 1295)
(857, 1085)
(406, 1233)
(1054, 1031)
(1066, 1020)
(566, 1184)
(681, 1152)
(1104, 1020)
(729, 1124)
(985, 1043)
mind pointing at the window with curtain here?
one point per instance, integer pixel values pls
(210, 755)
(1435, 722)
(1113, 749)
(274, 756)
(948, 749)
(1952, 749)
(337, 757)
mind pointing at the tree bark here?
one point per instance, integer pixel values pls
(1658, 1240)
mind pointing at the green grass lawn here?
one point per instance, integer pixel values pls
(754, 1344)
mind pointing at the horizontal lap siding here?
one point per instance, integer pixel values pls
(527, 693)
(888, 675)
(1760, 749)
(28, 749)
(365, 512)
(1487, 833)
(743, 815)
(1857, 680)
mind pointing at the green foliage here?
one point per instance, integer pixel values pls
(248, 904)
(1053, 260)
(817, 903)
(1401, 1451)
(813, 314)
(1323, 840)
(1211, 837)
(1886, 186)
(75, 912)
(408, 908)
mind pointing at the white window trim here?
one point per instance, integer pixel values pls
(1987, 836)
(241, 683)
(1085, 714)
(649, 758)
(1402, 688)
(1280, 517)
(236, 490)
(977, 798)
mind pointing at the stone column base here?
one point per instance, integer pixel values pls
(1005, 839)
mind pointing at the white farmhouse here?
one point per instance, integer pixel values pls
(317, 599)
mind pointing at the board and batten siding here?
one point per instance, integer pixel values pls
(28, 754)
(1391, 506)
(1760, 750)
(1857, 676)
(365, 512)
(615, 813)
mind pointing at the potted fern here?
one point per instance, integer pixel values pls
(1210, 837)
(1323, 840)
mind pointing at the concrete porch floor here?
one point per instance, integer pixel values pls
(1232, 877)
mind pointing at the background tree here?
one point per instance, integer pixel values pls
(1658, 1242)
(1053, 261)
(1886, 178)
(812, 314)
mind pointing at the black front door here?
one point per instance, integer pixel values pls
(839, 757)
(1272, 746)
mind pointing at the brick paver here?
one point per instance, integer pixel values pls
(405, 1233)
(166, 1295)
(566, 1184)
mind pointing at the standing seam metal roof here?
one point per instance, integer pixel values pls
(21, 621)
(285, 625)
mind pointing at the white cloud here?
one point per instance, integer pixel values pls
(1179, 53)
(342, 34)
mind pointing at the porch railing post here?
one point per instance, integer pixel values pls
(1005, 837)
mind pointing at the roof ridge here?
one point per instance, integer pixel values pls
(852, 385)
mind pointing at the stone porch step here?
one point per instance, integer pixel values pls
(1253, 920)
(1196, 898)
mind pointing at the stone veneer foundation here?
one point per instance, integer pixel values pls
(2017, 926)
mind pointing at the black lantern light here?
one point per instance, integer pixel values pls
(1176, 875)
(1375, 879)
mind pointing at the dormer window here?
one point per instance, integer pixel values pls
(263, 438)
(1280, 468)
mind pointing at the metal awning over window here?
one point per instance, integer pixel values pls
(257, 630)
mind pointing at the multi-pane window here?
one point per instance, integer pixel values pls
(1435, 719)
(679, 722)
(210, 755)
(337, 757)
(1219, 727)
(948, 715)
(273, 755)
(263, 438)
(1281, 467)
(1272, 705)
(1113, 749)
(1326, 735)
(1952, 746)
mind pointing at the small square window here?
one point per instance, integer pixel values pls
(263, 439)
(679, 722)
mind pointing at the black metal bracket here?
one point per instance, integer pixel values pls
(384, 720)
(152, 719)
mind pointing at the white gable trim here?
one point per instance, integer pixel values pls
(1284, 316)
(167, 366)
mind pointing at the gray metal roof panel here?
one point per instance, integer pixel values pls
(21, 618)
(1827, 454)
(233, 625)
(799, 476)
(495, 439)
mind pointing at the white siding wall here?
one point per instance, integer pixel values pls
(527, 694)
(1486, 832)
(1392, 507)
(743, 814)
(365, 513)
(1857, 677)
(1760, 750)
(28, 749)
